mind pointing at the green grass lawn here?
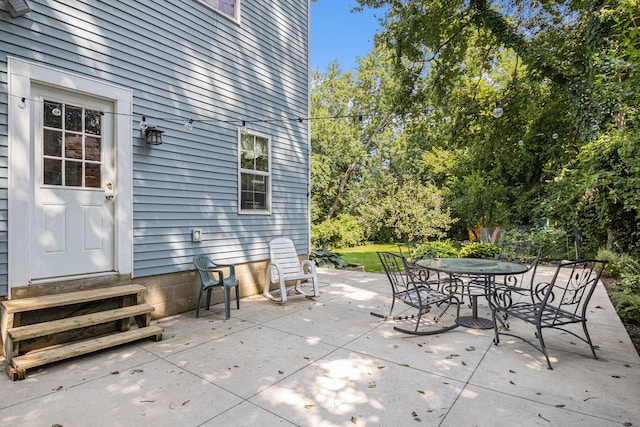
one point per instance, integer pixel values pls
(366, 255)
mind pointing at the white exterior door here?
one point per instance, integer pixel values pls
(62, 223)
(73, 165)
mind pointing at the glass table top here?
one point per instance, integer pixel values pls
(475, 266)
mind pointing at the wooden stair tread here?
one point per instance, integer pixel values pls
(64, 351)
(68, 298)
(35, 330)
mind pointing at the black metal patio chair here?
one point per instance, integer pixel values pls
(410, 286)
(557, 304)
(506, 288)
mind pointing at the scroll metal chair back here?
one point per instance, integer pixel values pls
(557, 304)
(510, 285)
(212, 276)
(409, 285)
(416, 251)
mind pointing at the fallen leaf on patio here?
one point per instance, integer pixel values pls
(463, 364)
(186, 402)
(281, 372)
(381, 367)
(470, 348)
(627, 424)
(137, 371)
(115, 372)
(147, 401)
(309, 406)
(354, 420)
(540, 415)
(419, 345)
(560, 405)
(403, 364)
(538, 393)
(428, 351)
(429, 410)
(372, 385)
(572, 343)
(395, 346)
(421, 392)
(307, 358)
(626, 365)
(512, 371)
(59, 387)
(616, 376)
(451, 356)
(511, 382)
(414, 414)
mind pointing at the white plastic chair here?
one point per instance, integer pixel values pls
(285, 266)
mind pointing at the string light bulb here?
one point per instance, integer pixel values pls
(188, 126)
(56, 111)
(498, 111)
(22, 104)
(554, 135)
(143, 124)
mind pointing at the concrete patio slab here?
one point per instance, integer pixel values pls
(328, 362)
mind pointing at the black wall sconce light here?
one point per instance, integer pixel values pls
(152, 135)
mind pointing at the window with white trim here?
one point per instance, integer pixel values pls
(254, 173)
(230, 8)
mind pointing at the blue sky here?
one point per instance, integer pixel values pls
(338, 34)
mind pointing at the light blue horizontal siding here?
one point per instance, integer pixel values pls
(183, 61)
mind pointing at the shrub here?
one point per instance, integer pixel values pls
(479, 250)
(340, 232)
(627, 302)
(327, 259)
(444, 249)
(618, 264)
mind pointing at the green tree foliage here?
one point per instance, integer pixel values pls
(403, 209)
(566, 74)
(600, 189)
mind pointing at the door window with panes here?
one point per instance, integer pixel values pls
(71, 146)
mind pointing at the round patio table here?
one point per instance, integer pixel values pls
(474, 268)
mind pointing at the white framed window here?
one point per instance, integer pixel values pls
(229, 8)
(254, 173)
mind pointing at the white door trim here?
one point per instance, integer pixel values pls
(21, 75)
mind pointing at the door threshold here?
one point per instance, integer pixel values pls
(70, 278)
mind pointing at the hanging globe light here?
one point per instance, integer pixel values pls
(497, 111)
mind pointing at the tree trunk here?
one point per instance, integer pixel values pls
(382, 125)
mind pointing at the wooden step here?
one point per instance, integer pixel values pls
(68, 298)
(19, 365)
(36, 330)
